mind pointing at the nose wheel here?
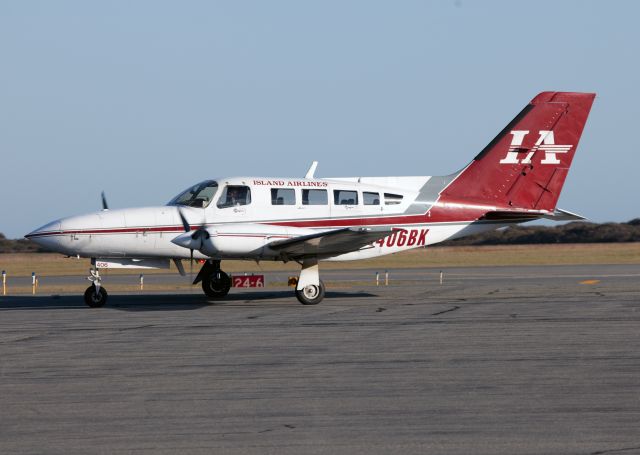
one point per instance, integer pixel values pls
(95, 297)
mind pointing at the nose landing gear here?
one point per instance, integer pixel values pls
(95, 296)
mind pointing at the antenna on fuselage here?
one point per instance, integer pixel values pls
(312, 170)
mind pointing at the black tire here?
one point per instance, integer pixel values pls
(311, 295)
(216, 285)
(95, 299)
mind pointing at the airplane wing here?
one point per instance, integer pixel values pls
(329, 243)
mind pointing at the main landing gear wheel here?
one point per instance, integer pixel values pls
(311, 294)
(216, 285)
(95, 299)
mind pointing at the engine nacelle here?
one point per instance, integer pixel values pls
(246, 240)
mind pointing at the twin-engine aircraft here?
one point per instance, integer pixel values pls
(516, 178)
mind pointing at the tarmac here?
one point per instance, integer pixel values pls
(496, 360)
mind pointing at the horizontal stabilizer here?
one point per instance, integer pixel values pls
(520, 216)
(563, 215)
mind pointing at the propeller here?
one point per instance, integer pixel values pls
(105, 206)
(193, 241)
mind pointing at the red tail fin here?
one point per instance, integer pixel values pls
(526, 165)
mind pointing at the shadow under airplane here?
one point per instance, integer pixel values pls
(158, 302)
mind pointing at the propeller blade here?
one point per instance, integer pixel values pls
(179, 266)
(185, 223)
(105, 206)
(189, 238)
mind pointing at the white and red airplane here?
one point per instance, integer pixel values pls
(516, 178)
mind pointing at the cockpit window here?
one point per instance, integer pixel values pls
(199, 195)
(233, 195)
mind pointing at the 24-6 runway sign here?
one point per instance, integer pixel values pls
(249, 281)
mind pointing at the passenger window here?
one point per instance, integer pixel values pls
(392, 199)
(370, 198)
(234, 195)
(283, 196)
(315, 197)
(344, 197)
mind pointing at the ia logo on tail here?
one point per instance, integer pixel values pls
(545, 142)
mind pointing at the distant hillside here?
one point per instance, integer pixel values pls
(576, 232)
(18, 246)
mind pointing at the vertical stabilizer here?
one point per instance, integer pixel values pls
(525, 166)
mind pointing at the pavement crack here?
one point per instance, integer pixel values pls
(446, 311)
(137, 327)
(18, 340)
(624, 449)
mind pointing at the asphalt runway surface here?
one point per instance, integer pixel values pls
(526, 360)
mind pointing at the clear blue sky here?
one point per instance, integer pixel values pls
(143, 98)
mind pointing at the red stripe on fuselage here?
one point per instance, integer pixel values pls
(437, 215)
(113, 231)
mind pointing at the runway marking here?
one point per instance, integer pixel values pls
(590, 282)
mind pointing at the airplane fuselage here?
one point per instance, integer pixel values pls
(277, 209)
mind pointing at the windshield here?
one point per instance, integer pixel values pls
(199, 195)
